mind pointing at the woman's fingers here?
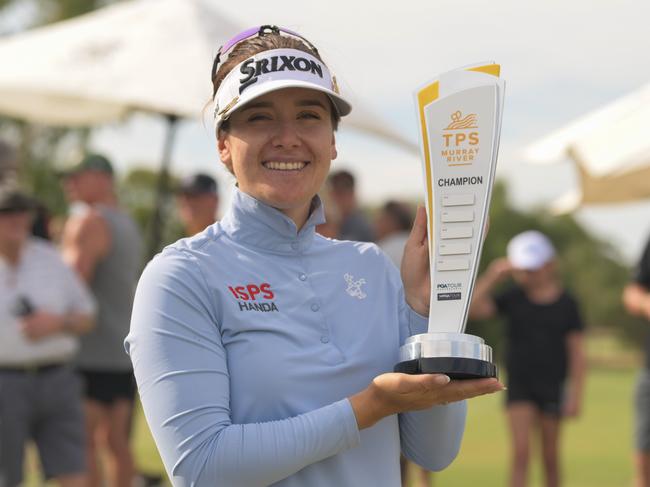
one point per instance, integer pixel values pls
(459, 390)
(423, 383)
(405, 384)
(393, 393)
(418, 234)
(415, 266)
(433, 388)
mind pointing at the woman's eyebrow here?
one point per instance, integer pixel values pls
(309, 103)
(259, 104)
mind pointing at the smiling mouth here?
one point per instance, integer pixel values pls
(285, 166)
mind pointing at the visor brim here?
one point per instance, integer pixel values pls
(342, 106)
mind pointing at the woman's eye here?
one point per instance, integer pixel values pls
(259, 117)
(309, 115)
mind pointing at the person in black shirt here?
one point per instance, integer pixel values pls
(636, 298)
(544, 348)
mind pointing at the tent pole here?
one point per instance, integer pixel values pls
(162, 189)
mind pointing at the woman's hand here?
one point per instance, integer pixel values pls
(415, 266)
(394, 393)
(40, 324)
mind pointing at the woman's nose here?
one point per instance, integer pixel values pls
(286, 135)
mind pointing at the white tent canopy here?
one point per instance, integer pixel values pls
(611, 149)
(150, 55)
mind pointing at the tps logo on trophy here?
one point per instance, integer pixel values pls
(460, 119)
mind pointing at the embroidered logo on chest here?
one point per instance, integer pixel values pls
(354, 287)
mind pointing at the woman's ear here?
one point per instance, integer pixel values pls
(223, 146)
(333, 152)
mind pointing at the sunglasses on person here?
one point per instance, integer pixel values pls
(260, 31)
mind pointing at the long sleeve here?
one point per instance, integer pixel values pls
(430, 438)
(181, 369)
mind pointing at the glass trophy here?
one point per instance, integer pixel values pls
(460, 120)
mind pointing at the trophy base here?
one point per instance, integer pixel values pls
(454, 367)
(457, 355)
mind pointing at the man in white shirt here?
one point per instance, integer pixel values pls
(43, 308)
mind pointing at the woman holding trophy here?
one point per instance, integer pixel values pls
(262, 350)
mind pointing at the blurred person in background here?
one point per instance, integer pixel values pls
(44, 306)
(392, 228)
(636, 298)
(197, 200)
(544, 335)
(102, 243)
(330, 227)
(353, 225)
(8, 174)
(41, 222)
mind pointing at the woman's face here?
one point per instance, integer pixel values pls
(534, 279)
(279, 147)
(14, 227)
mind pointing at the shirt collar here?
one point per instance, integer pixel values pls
(260, 225)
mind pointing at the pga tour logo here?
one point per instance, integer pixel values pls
(449, 291)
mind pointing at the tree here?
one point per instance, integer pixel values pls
(591, 268)
(137, 193)
(48, 11)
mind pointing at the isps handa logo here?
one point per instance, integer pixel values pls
(254, 297)
(460, 140)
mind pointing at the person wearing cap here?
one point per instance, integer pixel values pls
(636, 299)
(545, 358)
(353, 224)
(44, 307)
(103, 244)
(392, 227)
(197, 200)
(263, 351)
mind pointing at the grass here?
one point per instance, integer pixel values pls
(596, 447)
(146, 455)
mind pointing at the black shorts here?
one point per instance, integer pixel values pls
(547, 398)
(108, 387)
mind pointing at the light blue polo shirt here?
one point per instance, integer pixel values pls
(246, 341)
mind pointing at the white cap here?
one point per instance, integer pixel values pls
(270, 71)
(530, 250)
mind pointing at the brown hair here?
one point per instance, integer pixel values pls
(400, 213)
(255, 45)
(341, 181)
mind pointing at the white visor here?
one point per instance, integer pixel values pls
(270, 71)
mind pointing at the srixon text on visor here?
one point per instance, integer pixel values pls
(252, 69)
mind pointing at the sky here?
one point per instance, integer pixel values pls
(560, 60)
